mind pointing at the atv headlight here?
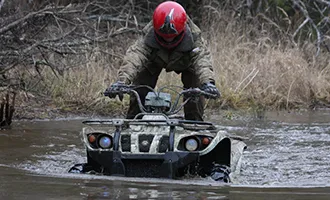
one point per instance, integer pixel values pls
(191, 144)
(105, 142)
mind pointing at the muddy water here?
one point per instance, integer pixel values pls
(288, 157)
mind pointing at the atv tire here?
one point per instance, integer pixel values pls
(220, 173)
(77, 169)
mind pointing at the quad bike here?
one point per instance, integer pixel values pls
(157, 143)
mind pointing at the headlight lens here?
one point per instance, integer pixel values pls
(191, 144)
(105, 142)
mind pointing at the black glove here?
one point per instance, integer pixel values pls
(115, 89)
(211, 89)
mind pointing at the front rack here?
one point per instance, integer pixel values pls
(186, 124)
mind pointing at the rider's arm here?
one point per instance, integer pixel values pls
(134, 61)
(201, 61)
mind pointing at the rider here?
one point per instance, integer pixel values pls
(174, 43)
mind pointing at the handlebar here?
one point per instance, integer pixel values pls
(189, 94)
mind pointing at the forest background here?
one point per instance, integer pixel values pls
(58, 56)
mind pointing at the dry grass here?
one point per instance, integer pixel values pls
(77, 90)
(260, 72)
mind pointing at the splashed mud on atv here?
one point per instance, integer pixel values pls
(155, 144)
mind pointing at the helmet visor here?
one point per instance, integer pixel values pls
(170, 41)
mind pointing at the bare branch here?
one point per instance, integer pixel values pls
(52, 66)
(324, 1)
(61, 36)
(15, 23)
(8, 68)
(1, 4)
(300, 27)
(302, 8)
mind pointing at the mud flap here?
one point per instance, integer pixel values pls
(174, 161)
(117, 167)
(108, 163)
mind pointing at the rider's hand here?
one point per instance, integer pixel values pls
(115, 89)
(211, 89)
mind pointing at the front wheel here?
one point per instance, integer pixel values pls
(77, 168)
(84, 168)
(220, 173)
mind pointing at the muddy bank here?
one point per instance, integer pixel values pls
(41, 109)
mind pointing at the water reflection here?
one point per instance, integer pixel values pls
(125, 190)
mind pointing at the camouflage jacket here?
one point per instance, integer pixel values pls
(191, 54)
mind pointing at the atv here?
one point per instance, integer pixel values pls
(159, 143)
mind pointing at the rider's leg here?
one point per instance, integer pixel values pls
(145, 77)
(192, 110)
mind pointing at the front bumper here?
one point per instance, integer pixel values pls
(167, 165)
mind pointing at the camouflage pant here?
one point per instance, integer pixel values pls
(192, 110)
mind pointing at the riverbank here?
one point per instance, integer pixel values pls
(34, 109)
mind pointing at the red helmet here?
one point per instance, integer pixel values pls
(169, 22)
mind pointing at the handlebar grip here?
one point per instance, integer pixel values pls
(124, 89)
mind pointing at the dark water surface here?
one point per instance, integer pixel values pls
(288, 157)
